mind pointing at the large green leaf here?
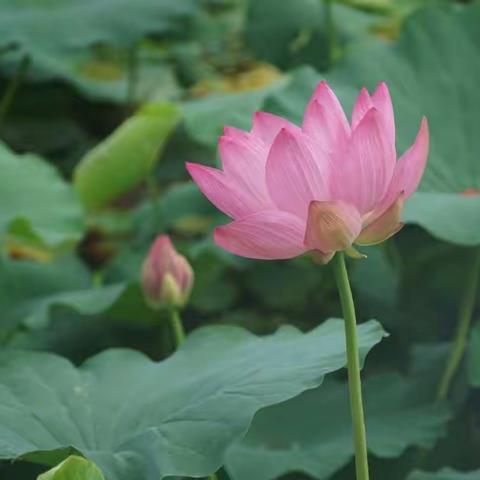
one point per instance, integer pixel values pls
(445, 474)
(30, 290)
(135, 418)
(73, 468)
(36, 202)
(432, 71)
(27, 26)
(312, 433)
(126, 157)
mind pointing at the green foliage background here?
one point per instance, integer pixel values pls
(101, 104)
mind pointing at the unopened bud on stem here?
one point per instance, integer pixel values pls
(167, 277)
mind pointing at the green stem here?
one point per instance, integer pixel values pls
(177, 327)
(12, 87)
(353, 365)
(460, 341)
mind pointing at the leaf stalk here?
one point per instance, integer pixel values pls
(460, 341)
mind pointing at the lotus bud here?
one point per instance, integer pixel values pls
(167, 277)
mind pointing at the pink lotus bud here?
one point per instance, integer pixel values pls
(167, 277)
(324, 186)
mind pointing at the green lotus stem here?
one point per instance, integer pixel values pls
(176, 326)
(12, 87)
(460, 341)
(353, 366)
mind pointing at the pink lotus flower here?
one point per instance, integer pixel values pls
(320, 187)
(167, 277)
